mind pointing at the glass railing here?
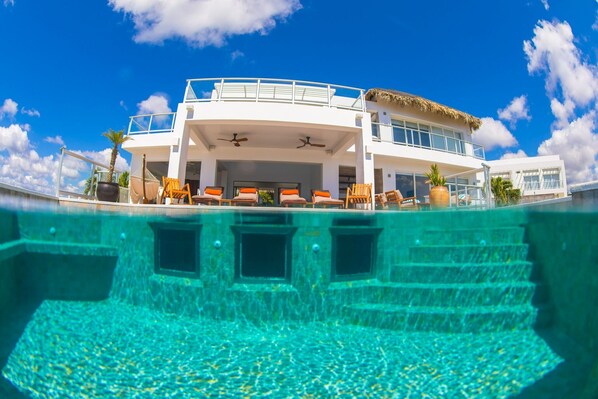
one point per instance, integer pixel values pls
(426, 140)
(154, 123)
(274, 90)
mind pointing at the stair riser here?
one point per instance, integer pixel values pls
(474, 237)
(442, 323)
(464, 274)
(442, 297)
(469, 254)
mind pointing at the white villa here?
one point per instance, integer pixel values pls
(306, 135)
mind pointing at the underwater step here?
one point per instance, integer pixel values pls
(441, 295)
(468, 253)
(461, 272)
(442, 319)
(472, 236)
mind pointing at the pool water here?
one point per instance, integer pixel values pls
(463, 307)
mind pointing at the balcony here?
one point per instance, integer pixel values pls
(274, 90)
(428, 140)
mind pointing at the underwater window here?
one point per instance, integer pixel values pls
(354, 252)
(263, 253)
(177, 249)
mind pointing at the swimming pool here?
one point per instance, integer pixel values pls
(486, 304)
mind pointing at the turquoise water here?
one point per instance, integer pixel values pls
(301, 304)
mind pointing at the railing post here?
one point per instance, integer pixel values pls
(257, 90)
(293, 94)
(149, 127)
(221, 90)
(362, 99)
(329, 98)
(187, 90)
(59, 171)
(489, 203)
(130, 124)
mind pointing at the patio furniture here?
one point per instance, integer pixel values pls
(359, 193)
(212, 195)
(173, 190)
(290, 197)
(247, 196)
(395, 198)
(323, 198)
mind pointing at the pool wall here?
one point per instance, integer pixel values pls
(312, 291)
(564, 246)
(8, 232)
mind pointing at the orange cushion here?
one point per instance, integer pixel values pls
(248, 190)
(213, 191)
(322, 194)
(293, 191)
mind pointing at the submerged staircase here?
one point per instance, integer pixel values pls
(464, 280)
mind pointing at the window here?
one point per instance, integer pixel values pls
(426, 136)
(411, 185)
(176, 249)
(551, 179)
(531, 180)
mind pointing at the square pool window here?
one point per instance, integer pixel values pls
(263, 256)
(177, 249)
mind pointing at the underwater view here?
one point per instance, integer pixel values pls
(299, 304)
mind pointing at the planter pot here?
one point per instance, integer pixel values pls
(107, 191)
(439, 197)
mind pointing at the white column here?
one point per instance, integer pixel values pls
(330, 176)
(177, 162)
(364, 161)
(207, 175)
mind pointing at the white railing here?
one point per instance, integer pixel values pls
(274, 90)
(429, 141)
(470, 195)
(154, 123)
(77, 167)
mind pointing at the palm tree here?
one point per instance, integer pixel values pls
(116, 138)
(503, 191)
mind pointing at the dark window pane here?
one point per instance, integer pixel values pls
(421, 188)
(263, 255)
(399, 135)
(425, 140)
(405, 185)
(353, 254)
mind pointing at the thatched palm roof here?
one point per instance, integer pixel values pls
(423, 104)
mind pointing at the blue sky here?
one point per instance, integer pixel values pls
(71, 70)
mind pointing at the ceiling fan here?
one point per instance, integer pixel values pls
(235, 140)
(307, 142)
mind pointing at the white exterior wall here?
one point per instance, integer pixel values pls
(516, 167)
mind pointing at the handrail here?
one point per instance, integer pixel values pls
(253, 92)
(63, 152)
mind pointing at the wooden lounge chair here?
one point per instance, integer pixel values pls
(395, 198)
(359, 193)
(290, 197)
(173, 190)
(322, 198)
(212, 195)
(247, 196)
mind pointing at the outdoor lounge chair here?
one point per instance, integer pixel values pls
(396, 199)
(322, 198)
(247, 196)
(359, 193)
(290, 197)
(212, 195)
(172, 189)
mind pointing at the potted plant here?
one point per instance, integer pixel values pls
(439, 195)
(108, 190)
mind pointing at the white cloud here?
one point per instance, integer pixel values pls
(55, 140)
(14, 139)
(545, 4)
(235, 55)
(154, 104)
(9, 3)
(9, 108)
(30, 112)
(577, 145)
(123, 105)
(493, 134)
(552, 50)
(203, 23)
(511, 155)
(516, 110)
